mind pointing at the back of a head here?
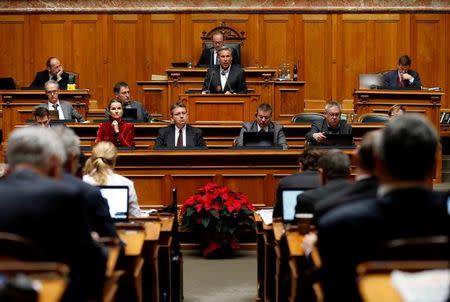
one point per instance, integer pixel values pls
(310, 158)
(36, 146)
(366, 151)
(335, 164)
(408, 146)
(101, 161)
(70, 140)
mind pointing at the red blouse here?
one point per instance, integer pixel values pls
(125, 137)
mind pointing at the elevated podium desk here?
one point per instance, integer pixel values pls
(379, 101)
(17, 105)
(220, 108)
(285, 97)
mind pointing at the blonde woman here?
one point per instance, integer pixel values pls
(99, 171)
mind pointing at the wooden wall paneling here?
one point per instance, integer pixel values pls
(187, 184)
(255, 186)
(151, 189)
(155, 99)
(265, 91)
(13, 52)
(125, 51)
(277, 39)
(315, 67)
(289, 100)
(200, 23)
(428, 49)
(240, 22)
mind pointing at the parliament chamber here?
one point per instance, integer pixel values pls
(137, 43)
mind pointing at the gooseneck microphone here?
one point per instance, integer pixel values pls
(213, 72)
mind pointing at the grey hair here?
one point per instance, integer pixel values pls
(332, 104)
(35, 146)
(51, 82)
(70, 140)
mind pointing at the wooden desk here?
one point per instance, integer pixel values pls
(285, 97)
(17, 105)
(374, 100)
(296, 260)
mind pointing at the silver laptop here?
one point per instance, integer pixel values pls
(371, 81)
(117, 198)
(289, 201)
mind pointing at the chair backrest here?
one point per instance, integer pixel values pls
(16, 247)
(73, 77)
(373, 118)
(306, 117)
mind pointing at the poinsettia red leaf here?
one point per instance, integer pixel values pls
(234, 243)
(213, 245)
(198, 207)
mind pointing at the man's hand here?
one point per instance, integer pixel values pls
(406, 76)
(115, 125)
(319, 137)
(228, 92)
(61, 70)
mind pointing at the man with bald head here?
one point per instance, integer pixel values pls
(53, 72)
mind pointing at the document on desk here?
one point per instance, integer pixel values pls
(266, 216)
(425, 286)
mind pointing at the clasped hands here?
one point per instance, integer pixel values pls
(115, 125)
(406, 76)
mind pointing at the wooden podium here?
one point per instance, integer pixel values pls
(17, 105)
(379, 101)
(285, 97)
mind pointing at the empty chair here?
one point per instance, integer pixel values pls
(373, 118)
(306, 117)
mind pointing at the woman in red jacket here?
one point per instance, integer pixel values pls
(116, 131)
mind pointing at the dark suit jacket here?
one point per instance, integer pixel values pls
(43, 76)
(352, 233)
(166, 137)
(50, 213)
(98, 214)
(207, 58)
(70, 113)
(322, 126)
(360, 189)
(142, 114)
(310, 179)
(307, 201)
(235, 82)
(390, 80)
(125, 137)
(279, 139)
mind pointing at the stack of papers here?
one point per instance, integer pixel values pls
(266, 215)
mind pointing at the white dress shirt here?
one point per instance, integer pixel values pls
(177, 133)
(60, 112)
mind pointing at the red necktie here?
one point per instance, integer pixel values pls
(180, 139)
(400, 81)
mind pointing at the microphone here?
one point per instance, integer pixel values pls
(213, 72)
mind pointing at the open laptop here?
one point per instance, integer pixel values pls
(289, 201)
(7, 84)
(339, 140)
(258, 139)
(117, 198)
(371, 81)
(129, 114)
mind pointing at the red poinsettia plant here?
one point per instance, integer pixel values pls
(219, 214)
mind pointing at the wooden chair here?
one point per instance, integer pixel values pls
(16, 247)
(373, 118)
(306, 117)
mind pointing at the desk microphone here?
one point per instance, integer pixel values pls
(210, 80)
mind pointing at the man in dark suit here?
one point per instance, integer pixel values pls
(179, 134)
(365, 184)
(332, 124)
(210, 56)
(226, 77)
(334, 169)
(53, 72)
(49, 212)
(98, 214)
(263, 123)
(65, 109)
(308, 178)
(122, 93)
(406, 206)
(403, 77)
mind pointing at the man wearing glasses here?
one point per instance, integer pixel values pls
(65, 110)
(263, 123)
(331, 124)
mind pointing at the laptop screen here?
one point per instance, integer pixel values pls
(339, 139)
(370, 81)
(258, 139)
(129, 114)
(117, 198)
(289, 201)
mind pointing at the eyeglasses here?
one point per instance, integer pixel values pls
(334, 114)
(263, 117)
(52, 92)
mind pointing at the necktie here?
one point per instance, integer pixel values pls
(55, 107)
(262, 130)
(180, 139)
(400, 81)
(54, 78)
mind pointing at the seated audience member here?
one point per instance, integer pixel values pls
(396, 110)
(332, 124)
(53, 72)
(334, 169)
(35, 205)
(263, 123)
(226, 77)
(403, 77)
(65, 109)
(99, 171)
(122, 94)
(41, 116)
(116, 131)
(406, 206)
(365, 184)
(98, 214)
(179, 134)
(210, 56)
(307, 178)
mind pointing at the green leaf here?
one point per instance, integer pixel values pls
(189, 211)
(215, 213)
(206, 220)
